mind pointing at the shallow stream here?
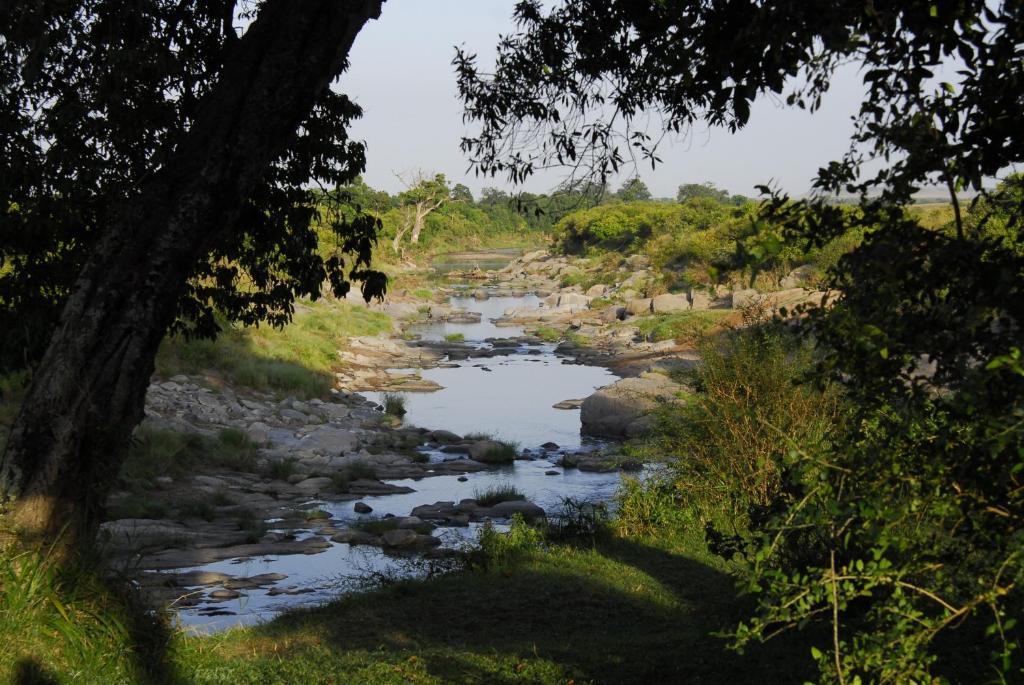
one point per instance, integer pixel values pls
(510, 397)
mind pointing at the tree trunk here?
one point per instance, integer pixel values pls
(87, 394)
(422, 209)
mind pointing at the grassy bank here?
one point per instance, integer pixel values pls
(615, 608)
(296, 360)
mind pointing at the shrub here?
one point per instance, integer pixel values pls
(728, 439)
(650, 507)
(498, 550)
(454, 337)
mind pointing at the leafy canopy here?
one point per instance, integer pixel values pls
(917, 503)
(96, 95)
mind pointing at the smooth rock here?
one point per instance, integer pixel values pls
(637, 307)
(610, 411)
(362, 508)
(669, 303)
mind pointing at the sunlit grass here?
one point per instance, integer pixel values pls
(298, 359)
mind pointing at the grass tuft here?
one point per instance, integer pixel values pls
(494, 494)
(394, 404)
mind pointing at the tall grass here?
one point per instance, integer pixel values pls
(495, 494)
(66, 623)
(156, 452)
(394, 404)
(298, 359)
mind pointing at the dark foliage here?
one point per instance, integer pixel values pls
(95, 96)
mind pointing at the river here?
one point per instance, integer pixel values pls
(509, 396)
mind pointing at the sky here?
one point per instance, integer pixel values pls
(401, 75)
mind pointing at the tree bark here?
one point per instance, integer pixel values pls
(422, 210)
(88, 392)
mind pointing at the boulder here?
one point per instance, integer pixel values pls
(700, 300)
(669, 303)
(597, 290)
(490, 452)
(798, 276)
(329, 440)
(444, 437)
(574, 300)
(636, 307)
(400, 537)
(618, 410)
(613, 313)
(362, 508)
(744, 298)
(528, 510)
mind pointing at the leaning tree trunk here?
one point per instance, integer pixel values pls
(88, 392)
(422, 210)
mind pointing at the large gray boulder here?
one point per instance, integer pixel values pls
(528, 510)
(700, 300)
(623, 408)
(642, 306)
(745, 298)
(669, 303)
(329, 440)
(491, 452)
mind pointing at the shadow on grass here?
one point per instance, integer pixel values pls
(634, 614)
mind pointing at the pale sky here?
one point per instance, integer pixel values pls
(401, 74)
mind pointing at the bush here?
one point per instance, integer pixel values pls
(498, 550)
(651, 507)
(727, 441)
(454, 337)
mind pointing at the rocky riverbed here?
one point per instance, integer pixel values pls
(352, 490)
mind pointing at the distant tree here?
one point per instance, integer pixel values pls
(689, 191)
(633, 190)
(422, 196)
(461, 193)
(359, 194)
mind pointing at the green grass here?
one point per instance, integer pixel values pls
(280, 470)
(548, 334)
(454, 337)
(423, 294)
(357, 470)
(298, 360)
(614, 607)
(157, 452)
(494, 494)
(684, 327)
(394, 404)
(623, 610)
